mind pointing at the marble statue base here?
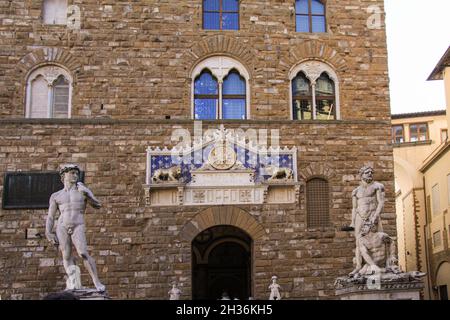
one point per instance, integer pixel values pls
(78, 294)
(89, 294)
(373, 288)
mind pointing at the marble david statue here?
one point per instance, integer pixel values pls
(71, 203)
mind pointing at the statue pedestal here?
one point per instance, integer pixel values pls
(89, 294)
(384, 290)
(81, 294)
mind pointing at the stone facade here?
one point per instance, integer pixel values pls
(131, 66)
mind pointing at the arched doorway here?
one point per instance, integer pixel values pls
(443, 281)
(221, 262)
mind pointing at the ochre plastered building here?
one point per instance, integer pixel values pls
(114, 79)
(422, 178)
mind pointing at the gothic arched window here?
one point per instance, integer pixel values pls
(310, 16)
(220, 89)
(49, 91)
(315, 92)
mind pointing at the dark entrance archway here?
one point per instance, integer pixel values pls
(221, 262)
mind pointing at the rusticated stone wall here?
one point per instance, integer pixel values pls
(133, 58)
(140, 249)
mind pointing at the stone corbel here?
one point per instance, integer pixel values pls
(147, 195)
(180, 196)
(265, 193)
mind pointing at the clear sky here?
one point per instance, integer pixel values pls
(418, 34)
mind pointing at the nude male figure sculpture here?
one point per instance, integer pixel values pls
(70, 228)
(368, 203)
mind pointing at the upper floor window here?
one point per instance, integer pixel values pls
(444, 135)
(220, 89)
(437, 240)
(221, 14)
(398, 135)
(435, 197)
(418, 132)
(49, 91)
(310, 16)
(314, 92)
(54, 12)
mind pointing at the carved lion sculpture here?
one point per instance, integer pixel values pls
(171, 174)
(279, 173)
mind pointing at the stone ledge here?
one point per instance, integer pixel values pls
(109, 121)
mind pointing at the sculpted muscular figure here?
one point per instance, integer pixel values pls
(70, 229)
(368, 202)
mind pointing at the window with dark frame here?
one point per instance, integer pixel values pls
(221, 14)
(318, 203)
(310, 16)
(30, 190)
(398, 134)
(418, 132)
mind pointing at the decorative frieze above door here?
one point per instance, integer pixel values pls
(221, 170)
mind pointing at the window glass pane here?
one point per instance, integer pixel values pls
(61, 98)
(423, 132)
(302, 109)
(211, 21)
(206, 84)
(302, 24)
(301, 6)
(233, 109)
(230, 5)
(234, 84)
(39, 98)
(413, 133)
(325, 109)
(300, 86)
(317, 7)
(397, 134)
(211, 5)
(205, 109)
(324, 85)
(318, 24)
(230, 21)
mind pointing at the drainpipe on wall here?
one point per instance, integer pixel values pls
(425, 233)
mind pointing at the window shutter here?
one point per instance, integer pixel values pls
(318, 203)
